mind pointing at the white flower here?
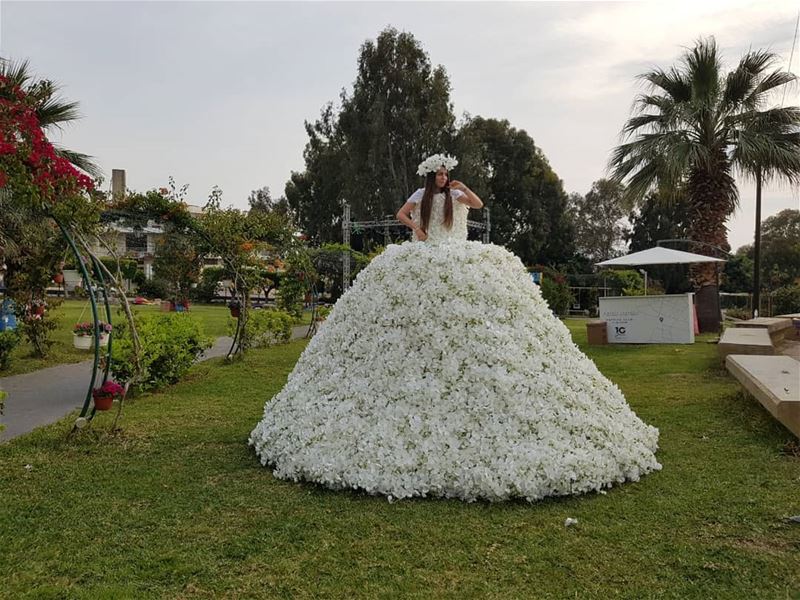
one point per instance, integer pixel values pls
(442, 372)
(570, 522)
(434, 162)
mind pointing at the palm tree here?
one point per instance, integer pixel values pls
(52, 111)
(695, 128)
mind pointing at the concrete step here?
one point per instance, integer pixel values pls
(745, 340)
(774, 381)
(777, 327)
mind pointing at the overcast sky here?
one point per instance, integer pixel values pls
(216, 93)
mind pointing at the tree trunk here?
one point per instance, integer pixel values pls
(712, 198)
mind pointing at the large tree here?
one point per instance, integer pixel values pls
(698, 125)
(661, 216)
(598, 218)
(513, 177)
(398, 113)
(367, 152)
(780, 245)
(261, 200)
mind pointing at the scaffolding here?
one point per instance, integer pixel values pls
(389, 223)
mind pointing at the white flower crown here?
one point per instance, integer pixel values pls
(434, 161)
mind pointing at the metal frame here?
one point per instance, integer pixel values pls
(390, 223)
(87, 278)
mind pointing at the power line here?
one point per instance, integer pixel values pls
(791, 54)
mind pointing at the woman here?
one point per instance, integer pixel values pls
(436, 182)
(442, 372)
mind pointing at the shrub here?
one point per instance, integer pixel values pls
(153, 288)
(555, 289)
(737, 313)
(206, 290)
(266, 327)
(557, 295)
(628, 281)
(37, 323)
(171, 343)
(786, 300)
(8, 341)
(291, 293)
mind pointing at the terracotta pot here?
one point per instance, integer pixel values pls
(58, 278)
(103, 402)
(234, 312)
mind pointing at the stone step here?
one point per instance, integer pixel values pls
(774, 381)
(777, 327)
(745, 340)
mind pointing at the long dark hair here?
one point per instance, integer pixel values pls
(427, 202)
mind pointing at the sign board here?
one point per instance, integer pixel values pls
(649, 319)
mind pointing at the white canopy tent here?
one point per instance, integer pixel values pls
(657, 256)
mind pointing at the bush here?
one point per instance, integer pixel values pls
(8, 341)
(555, 289)
(628, 281)
(786, 300)
(206, 290)
(737, 313)
(266, 327)
(171, 343)
(153, 288)
(557, 295)
(291, 293)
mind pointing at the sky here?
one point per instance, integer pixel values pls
(217, 93)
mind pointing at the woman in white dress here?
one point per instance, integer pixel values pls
(416, 212)
(443, 372)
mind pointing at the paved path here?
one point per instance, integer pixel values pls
(45, 396)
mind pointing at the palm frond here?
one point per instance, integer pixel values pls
(54, 112)
(672, 82)
(18, 72)
(771, 82)
(82, 161)
(739, 84)
(776, 156)
(703, 67)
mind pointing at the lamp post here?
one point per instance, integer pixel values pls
(757, 250)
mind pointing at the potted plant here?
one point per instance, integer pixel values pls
(105, 394)
(235, 307)
(82, 334)
(105, 331)
(58, 278)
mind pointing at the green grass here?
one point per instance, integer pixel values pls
(214, 317)
(177, 505)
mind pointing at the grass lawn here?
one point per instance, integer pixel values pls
(214, 317)
(176, 505)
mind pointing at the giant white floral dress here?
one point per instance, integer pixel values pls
(442, 372)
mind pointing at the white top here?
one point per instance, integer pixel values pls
(416, 197)
(437, 232)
